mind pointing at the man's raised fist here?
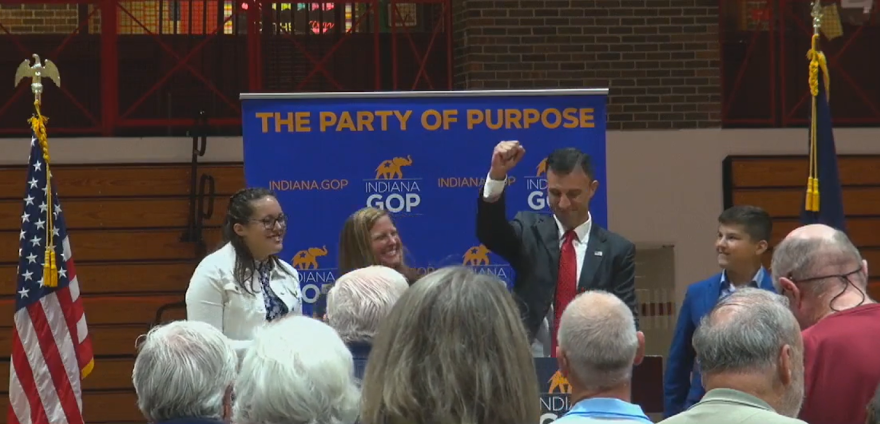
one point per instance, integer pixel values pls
(504, 158)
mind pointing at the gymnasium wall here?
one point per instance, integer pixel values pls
(126, 201)
(665, 187)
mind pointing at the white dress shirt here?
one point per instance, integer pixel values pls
(541, 346)
(214, 297)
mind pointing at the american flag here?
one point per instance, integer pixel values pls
(51, 349)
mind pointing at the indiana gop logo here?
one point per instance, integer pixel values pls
(555, 398)
(536, 186)
(479, 259)
(392, 188)
(310, 263)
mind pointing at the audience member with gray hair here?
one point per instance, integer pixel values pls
(359, 301)
(184, 373)
(826, 281)
(821, 271)
(297, 371)
(750, 353)
(598, 346)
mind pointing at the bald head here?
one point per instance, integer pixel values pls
(598, 337)
(813, 231)
(813, 251)
(592, 305)
(745, 332)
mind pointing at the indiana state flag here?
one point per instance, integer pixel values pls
(824, 197)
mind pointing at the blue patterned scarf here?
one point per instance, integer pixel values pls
(275, 307)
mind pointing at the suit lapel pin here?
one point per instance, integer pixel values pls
(598, 253)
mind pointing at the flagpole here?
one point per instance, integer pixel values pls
(46, 289)
(36, 73)
(817, 63)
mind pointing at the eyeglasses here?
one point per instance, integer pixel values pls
(845, 278)
(269, 221)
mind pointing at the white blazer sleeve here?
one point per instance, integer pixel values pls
(205, 301)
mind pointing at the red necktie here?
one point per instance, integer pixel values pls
(566, 282)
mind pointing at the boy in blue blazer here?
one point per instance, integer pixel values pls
(743, 237)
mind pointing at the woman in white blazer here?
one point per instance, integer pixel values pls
(244, 285)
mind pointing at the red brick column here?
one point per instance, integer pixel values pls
(659, 58)
(23, 17)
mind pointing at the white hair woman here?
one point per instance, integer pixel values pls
(297, 371)
(359, 301)
(184, 370)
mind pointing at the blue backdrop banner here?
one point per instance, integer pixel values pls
(421, 156)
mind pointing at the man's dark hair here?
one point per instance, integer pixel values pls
(755, 221)
(564, 161)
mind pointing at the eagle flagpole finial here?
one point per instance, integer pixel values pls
(816, 13)
(36, 73)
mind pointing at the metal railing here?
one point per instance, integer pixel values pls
(202, 194)
(144, 68)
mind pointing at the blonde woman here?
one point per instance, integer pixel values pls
(369, 237)
(453, 350)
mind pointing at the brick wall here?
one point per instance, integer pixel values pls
(33, 18)
(659, 58)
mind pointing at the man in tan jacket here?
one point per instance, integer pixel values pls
(750, 353)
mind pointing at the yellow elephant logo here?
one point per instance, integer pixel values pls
(559, 384)
(542, 168)
(393, 168)
(308, 259)
(477, 255)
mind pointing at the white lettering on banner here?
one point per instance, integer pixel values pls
(310, 293)
(390, 190)
(553, 406)
(311, 276)
(537, 187)
(314, 280)
(394, 203)
(477, 257)
(536, 183)
(496, 271)
(555, 403)
(537, 200)
(378, 186)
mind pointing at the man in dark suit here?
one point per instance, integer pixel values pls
(743, 236)
(554, 256)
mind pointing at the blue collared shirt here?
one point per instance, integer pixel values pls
(596, 410)
(727, 288)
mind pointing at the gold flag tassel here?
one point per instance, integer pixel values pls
(817, 61)
(50, 267)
